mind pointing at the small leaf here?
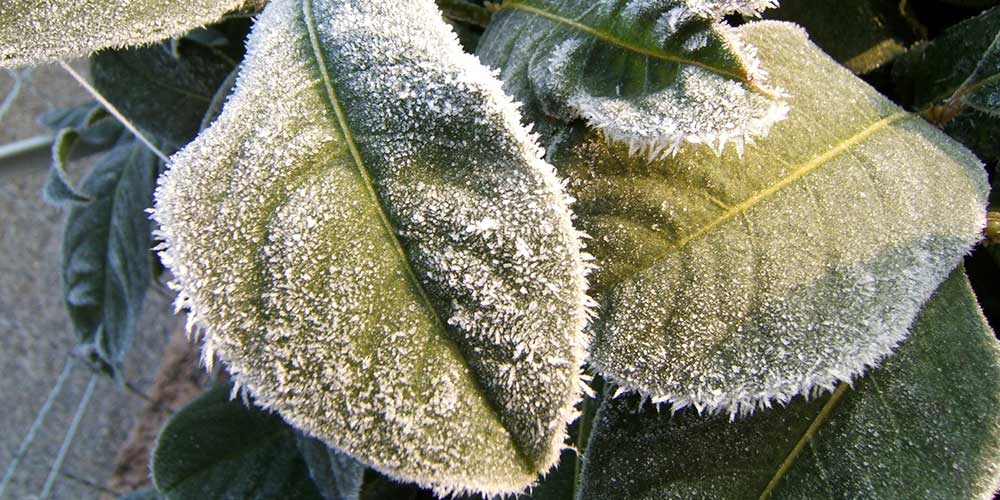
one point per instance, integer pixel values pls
(926, 424)
(728, 283)
(220, 448)
(106, 252)
(953, 81)
(655, 75)
(162, 93)
(336, 475)
(374, 247)
(32, 32)
(863, 35)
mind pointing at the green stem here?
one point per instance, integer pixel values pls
(993, 227)
(465, 11)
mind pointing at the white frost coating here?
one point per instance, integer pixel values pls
(36, 31)
(733, 289)
(411, 292)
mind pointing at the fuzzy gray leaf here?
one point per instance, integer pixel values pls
(925, 424)
(106, 252)
(728, 283)
(36, 31)
(656, 75)
(371, 242)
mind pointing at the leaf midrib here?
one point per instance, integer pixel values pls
(387, 224)
(821, 418)
(744, 206)
(611, 39)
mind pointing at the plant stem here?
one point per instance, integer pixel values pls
(113, 110)
(465, 11)
(993, 227)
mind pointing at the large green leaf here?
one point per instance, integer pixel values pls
(655, 75)
(925, 424)
(163, 89)
(958, 68)
(220, 448)
(371, 243)
(106, 252)
(32, 32)
(860, 34)
(729, 282)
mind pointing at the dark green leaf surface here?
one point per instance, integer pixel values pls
(939, 78)
(729, 282)
(106, 252)
(163, 92)
(220, 449)
(860, 34)
(926, 424)
(336, 475)
(656, 75)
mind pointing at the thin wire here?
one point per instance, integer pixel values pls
(113, 110)
(68, 440)
(39, 419)
(15, 90)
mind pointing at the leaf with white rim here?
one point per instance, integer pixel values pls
(370, 240)
(924, 424)
(729, 283)
(656, 75)
(33, 31)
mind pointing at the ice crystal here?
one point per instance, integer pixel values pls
(370, 239)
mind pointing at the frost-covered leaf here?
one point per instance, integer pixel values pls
(35, 31)
(655, 75)
(371, 243)
(730, 282)
(162, 91)
(106, 265)
(937, 78)
(216, 447)
(925, 424)
(59, 189)
(860, 34)
(80, 131)
(336, 475)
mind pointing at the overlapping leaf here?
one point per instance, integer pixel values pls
(655, 75)
(954, 79)
(163, 90)
(730, 282)
(925, 424)
(220, 448)
(372, 244)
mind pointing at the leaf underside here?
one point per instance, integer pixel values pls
(33, 32)
(370, 241)
(106, 258)
(730, 283)
(925, 424)
(655, 75)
